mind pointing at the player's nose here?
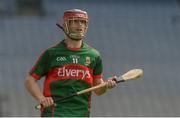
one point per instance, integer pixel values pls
(80, 23)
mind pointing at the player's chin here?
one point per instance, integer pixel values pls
(78, 37)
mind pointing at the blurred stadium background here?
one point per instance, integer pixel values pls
(128, 33)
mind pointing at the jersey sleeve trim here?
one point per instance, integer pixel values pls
(97, 76)
(36, 76)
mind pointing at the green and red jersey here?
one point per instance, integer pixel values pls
(68, 71)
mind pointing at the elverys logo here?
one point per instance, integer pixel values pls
(73, 72)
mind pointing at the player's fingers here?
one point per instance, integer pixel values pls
(113, 78)
(114, 83)
(111, 84)
(46, 102)
(50, 101)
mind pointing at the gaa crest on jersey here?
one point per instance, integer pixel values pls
(61, 59)
(88, 60)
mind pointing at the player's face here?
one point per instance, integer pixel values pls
(77, 27)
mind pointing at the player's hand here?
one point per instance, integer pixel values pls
(111, 83)
(46, 101)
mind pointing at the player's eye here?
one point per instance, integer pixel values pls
(77, 21)
(80, 21)
(71, 21)
(83, 21)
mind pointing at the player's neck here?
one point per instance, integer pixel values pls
(72, 43)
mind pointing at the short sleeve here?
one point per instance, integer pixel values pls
(40, 68)
(97, 73)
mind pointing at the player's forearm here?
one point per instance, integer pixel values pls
(33, 88)
(101, 90)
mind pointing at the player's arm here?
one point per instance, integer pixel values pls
(32, 86)
(38, 70)
(34, 89)
(110, 84)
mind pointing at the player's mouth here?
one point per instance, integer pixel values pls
(79, 29)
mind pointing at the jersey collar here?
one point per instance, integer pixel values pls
(72, 49)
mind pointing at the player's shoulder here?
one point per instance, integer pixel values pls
(54, 47)
(92, 50)
(50, 50)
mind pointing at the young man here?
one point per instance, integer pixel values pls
(68, 67)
